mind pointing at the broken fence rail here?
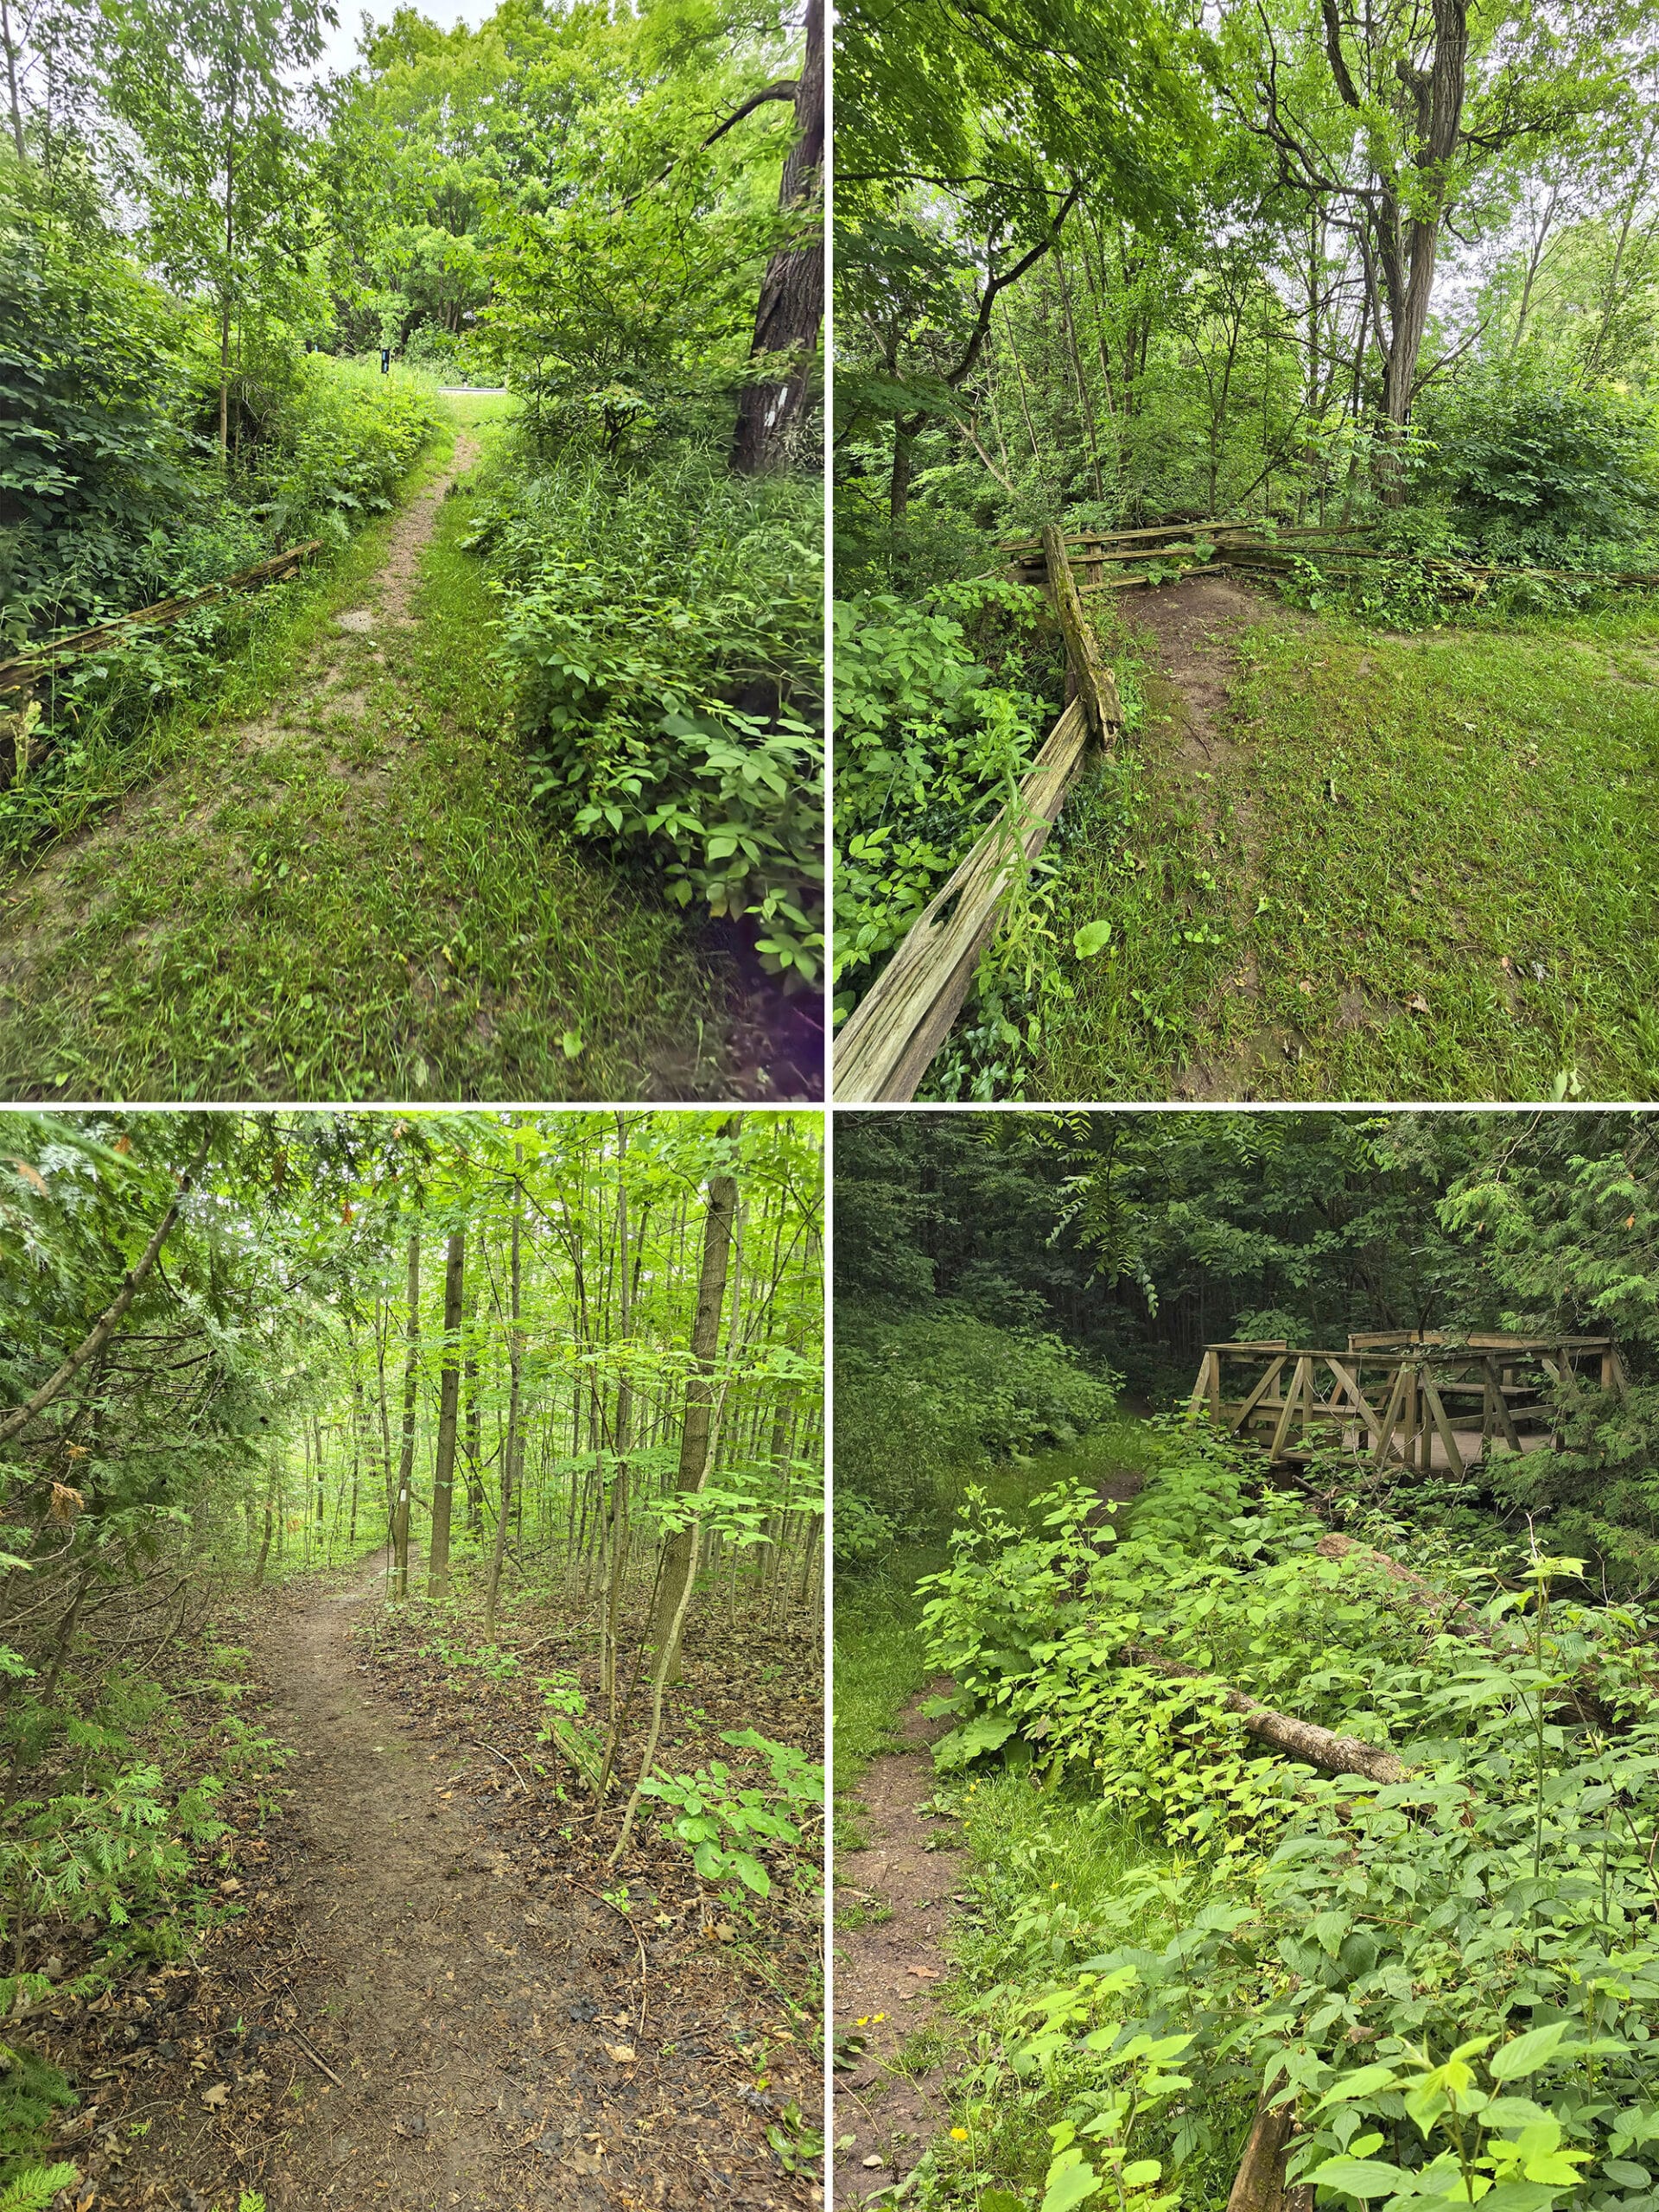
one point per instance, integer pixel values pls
(27, 669)
(892, 1033)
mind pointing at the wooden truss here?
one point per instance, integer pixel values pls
(1419, 1399)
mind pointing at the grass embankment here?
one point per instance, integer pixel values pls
(335, 885)
(1419, 867)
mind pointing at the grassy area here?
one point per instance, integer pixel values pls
(340, 888)
(1419, 867)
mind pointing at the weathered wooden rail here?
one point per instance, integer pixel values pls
(28, 669)
(1417, 1399)
(884, 1050)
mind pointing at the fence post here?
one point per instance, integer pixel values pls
(1096, 687)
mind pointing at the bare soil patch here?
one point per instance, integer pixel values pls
(900, 1888)
(428, 2004)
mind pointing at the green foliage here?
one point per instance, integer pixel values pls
(664, 628)
(725, 1826)
(343, 444)
(921, 1401)
(1399, 1959)
(1547, 472)
(32, 2188)
(33, 2095)
(88, 469)
(930, 741)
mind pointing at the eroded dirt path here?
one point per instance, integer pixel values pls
(423, 2002)
(1193, 629)
(443, 1988)
(893, 1905)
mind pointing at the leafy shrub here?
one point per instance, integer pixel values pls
(89, 467)
(344, 441)
(930, 741)
(664, 629)
(1452, 1978)
(920, 1399)
(724, 1825)
(1537, 471)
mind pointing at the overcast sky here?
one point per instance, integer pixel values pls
(341, 50)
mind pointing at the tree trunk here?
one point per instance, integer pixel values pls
(510, 1449)
(443, 1473)
(406, 1460)
(791, 295)
(904, 428)
(699, 1388)
(11, 79)
(1259, 2185)
(474, 1434)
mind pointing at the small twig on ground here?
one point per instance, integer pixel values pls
(505, 1762)
(632, 1931)
(315, 2055)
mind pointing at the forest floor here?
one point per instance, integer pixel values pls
(430, 2001)
(340, 888)
(1344, 862)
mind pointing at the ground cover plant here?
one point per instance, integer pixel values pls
(329, 1437)
(1304, 1809)
(1191, 300)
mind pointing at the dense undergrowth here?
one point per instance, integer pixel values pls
(1449, 1977)
(116, 495)
(661, 626)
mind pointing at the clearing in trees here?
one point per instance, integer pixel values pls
(1325, 338)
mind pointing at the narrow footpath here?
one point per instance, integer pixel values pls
(893, 1907)
(409, 2013)
(349, 892)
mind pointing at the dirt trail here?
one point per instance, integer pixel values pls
(899, 1893)
(1195, 625)
(900, 1888)
(443, 1991)
(76, 880)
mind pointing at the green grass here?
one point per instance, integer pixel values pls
(356, 899)
(1391, 819)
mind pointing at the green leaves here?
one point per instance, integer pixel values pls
(667, 676)
(1530, 2052)
(1092, 937)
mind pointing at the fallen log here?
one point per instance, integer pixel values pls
(1298, 1739)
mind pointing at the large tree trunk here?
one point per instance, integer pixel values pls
(791, 295)
(443, 1473)
(406, 1461)
(699, 1387)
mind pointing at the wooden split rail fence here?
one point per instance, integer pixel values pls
(32, 668)
(1417, 1399)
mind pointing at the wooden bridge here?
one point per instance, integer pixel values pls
(1407, 1398)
